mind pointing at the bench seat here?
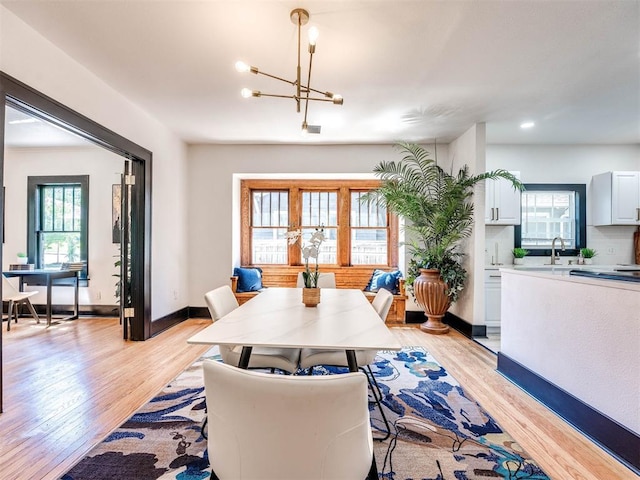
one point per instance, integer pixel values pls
(346, 277)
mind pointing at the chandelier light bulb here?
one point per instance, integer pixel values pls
(242, 67)
(246, 93)
(313, 35)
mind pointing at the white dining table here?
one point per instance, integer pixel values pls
(343, 320)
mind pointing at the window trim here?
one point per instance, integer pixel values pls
(580, 190)
(294, 187)
(33, 182)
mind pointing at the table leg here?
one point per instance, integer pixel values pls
(48, 300)
(351, 360)
(244, 357)
(76, 293)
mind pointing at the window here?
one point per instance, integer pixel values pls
(357, 233)
(57, 220)
(369, 233)
(550, 211)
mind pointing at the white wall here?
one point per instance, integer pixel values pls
(29, 57)
(213, 242)
(468, 149)
(103, 168)
(566, 164)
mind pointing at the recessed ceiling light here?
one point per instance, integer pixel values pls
(527, 125)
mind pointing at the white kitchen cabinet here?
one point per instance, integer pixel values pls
(492, 289)
(615, 198)
(502, 202)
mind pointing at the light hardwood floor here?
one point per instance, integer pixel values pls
(68, 386)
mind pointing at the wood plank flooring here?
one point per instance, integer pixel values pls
(68, 386)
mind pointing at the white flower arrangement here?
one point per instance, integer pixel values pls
(309, 250)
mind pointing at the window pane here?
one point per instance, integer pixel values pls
(269, 222)
(59, 247)
(366, 214)
(546, 215)
(270, 209)
(328, 249)
(47, 208)
(269, 245)
(319, 209)
(369, 246)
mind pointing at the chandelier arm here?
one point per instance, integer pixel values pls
(277, 96)
(316, 99)
(307, 90)
(290, 82)
(326, 94)
(298, 67)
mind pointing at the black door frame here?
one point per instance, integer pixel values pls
(22, 96)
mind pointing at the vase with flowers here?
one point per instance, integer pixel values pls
(310, 250)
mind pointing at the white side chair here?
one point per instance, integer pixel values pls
(272, 427)
(221, 301)
(325, 280)
(310, 357)
(15, 298)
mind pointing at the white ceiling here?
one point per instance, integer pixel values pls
(410, 70)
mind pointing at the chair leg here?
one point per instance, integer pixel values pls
(377, 396)
(373, 471)
(10, 314)
(32, 310)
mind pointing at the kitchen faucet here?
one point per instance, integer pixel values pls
(553, 249)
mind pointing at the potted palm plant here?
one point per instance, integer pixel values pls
(439, 209)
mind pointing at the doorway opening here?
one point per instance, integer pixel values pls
(137, 184)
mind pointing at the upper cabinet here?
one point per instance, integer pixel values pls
(502, 202)
(615, 198)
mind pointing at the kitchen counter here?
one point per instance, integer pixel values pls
(579, 337)
(579, 333)
(563, 273)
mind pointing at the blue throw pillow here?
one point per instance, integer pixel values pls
(387, 280)
(249, 279)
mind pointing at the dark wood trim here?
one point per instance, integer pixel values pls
(25, 98)
(199, 312)
(84, 310)
(606, 432)
(464, 327)
(161, 324)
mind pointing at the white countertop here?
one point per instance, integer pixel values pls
(564, 266)
(562, 274)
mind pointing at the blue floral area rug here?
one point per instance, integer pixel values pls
(437, 431)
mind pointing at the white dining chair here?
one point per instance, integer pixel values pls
(272, 427)
(222, 301)
(15, 298)
(325, 280)
(311, 357)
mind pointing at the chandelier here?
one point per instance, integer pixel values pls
(302, 93)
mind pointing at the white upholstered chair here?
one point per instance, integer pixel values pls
(311, 357)
(15, 298)
(270, 427)
(221, 301)
(325, 280)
